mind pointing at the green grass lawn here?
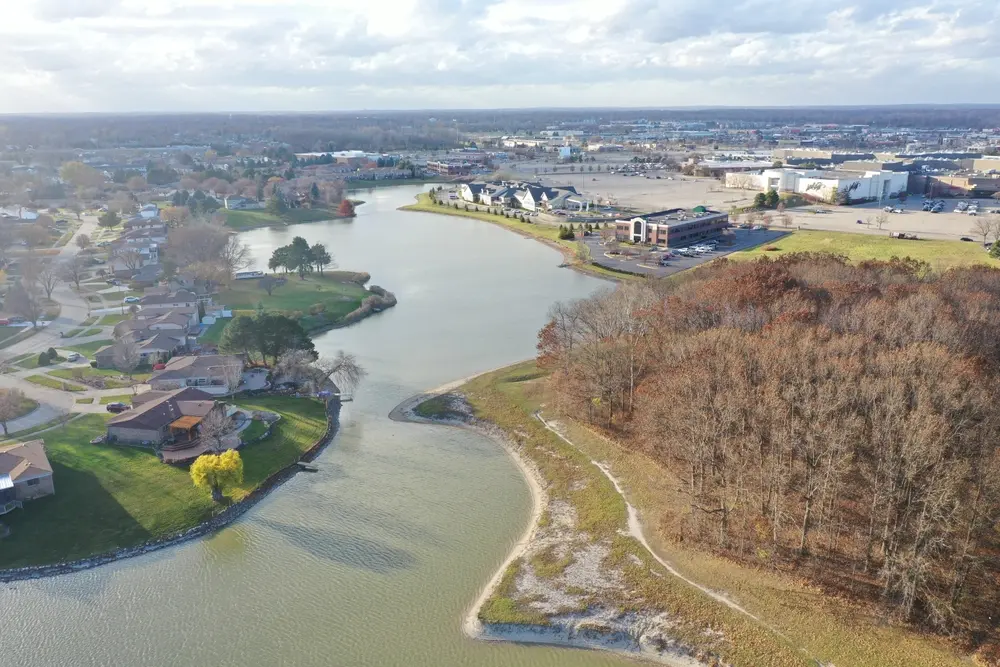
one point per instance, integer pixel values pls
(214, 332)
(547, 232)
(27, 405)
(20, 436)
(91, 332)
(108, 497)
(30, 361)
(117, 398)
(9, 340)
(10, 332)
(253, 431)
(88, 349)
(111, 376)
(241, 220)
(53, 383)
(90, 321)
(856, 247)
(85, 401)
(114, 318)
(337, 298)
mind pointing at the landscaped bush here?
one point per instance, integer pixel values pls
(43, 358)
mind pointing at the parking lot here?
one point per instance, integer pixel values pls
(742, 239)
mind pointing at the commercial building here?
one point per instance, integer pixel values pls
(824, 184)
(674, 227)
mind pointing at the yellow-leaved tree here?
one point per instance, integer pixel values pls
(215, 472)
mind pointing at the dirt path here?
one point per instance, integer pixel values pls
(636, 531)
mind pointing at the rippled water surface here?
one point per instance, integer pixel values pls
(375, 559)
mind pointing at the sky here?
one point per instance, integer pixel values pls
(62, 56)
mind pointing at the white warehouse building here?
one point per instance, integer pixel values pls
(821, 184)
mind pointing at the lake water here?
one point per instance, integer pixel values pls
(375, 559)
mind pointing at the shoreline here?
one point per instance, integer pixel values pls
(566, 636)
(223, 519)
(569, 258)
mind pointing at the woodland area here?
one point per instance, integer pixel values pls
(834, 420)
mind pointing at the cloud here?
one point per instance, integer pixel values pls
(137, 55)
(60, 10)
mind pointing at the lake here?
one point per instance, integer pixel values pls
(375, 559)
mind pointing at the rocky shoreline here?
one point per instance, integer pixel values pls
(634, 635)
(219, 521)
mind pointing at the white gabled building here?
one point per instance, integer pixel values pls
(821, 184)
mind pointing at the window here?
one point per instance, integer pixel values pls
(34, 482)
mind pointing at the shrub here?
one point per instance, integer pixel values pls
(52, 353)
(316, 308)
(771, 248)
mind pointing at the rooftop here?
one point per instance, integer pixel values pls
(676, 216)
(24, 460)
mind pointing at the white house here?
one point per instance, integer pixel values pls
(241, 203)
(822, 184)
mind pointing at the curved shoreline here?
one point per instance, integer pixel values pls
(532, 634)
(403, 412)
(225, 518)
(568, 255)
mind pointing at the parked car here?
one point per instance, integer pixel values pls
(130, 299)
(116, 408)
(966, 238)
(74, 356)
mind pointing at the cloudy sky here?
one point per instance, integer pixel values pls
(271, 55)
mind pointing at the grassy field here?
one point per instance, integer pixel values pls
(88, 349)
(91, 332)
(10, 332)
(547, 233)
(117, 398)
(85, 401)
(108, 497)
(53, 383)
(241, 220)
(297, 296)
(214, 332)
(112, 377)
(27, 405)
(388, 182)
(509, 398)
(26, 332)
(830, 629)
(30, 361)
(114, 318)
(939, 254)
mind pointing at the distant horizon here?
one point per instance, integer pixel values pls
(322, 56)
(486, 110)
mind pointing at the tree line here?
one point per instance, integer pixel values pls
(838, 419)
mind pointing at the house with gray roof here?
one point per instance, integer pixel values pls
(164, 417)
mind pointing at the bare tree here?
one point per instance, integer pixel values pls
(214, 428)
(343, 369)
(881, 219)
(234, 255)
(73, 270)
(25, 299)
(83, 241)
(982, 226)
(268, 283)
(127, 357)
(130, 258)
(49, 275)
(11, 401)
(231, 372)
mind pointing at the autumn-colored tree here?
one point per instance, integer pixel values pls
(346, 209)
(217, 472)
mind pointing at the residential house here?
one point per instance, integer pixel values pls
(163, 417)
(150, 212)
(233, 203)
(25, 474)
(156, 349)
(141, 222)
(141, 329)
(471, 192)
(207, 372)
(180, 301)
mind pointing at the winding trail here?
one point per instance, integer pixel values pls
(635, 530)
